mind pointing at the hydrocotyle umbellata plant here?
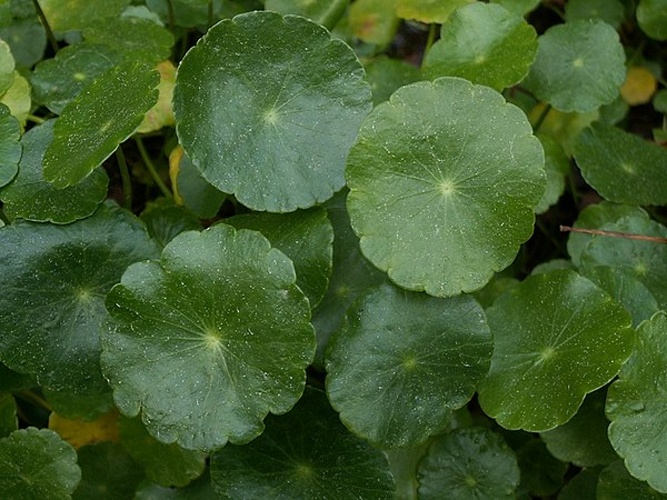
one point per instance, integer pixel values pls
(308, 249)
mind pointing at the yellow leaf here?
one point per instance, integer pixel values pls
(428, 11)
(174, 166)
(79, 433)
(639, 86)
(162, 114)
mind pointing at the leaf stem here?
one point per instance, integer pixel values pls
(432, 32)
(150, 166)
(614, 234)
(4, 218)
(171, 16)
(36, 119)
(47, 26)
(31, 397)
(125, 177)
(541, 118)
(210, 13)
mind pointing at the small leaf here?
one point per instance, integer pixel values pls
(36, 463)
(164, 220)
(80, 433)
(103, 115)
(557, 337)
(27, 39)
(7, 67)
(610, 11)
(541, 474)
(324, 13)
(579, 66)
(86, 407)
(402, 361)
(17, 98)
(69, 15)
(618, 164)
(161, 114)
(614, 483)
(637, 406)
(304, 454)
(557, 167)
(485, 44)
(53, 281)
(273, 132)
(582, 486)
(8, 421)
(388, 75)
(199, 489)
(32, 198)
(469, 463)
(190, 188)
(521, 7)
(652, 18)
(165, 464)
(208, 340)
(428, 11)
(10, 148)
(374, 21)
(306, 237)
(639, 87)
(583, 439)
(442, 196)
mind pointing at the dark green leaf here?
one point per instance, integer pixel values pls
(8, 421)
(199, 489)
(79, 406)
(614, 483)
(541, 474)
(100, 117)
(10, 148)
(388, 75)
(35, 464)
(428, 11)
(652, 17)
(579, 66)
(197, 193)
(483, 43)
(305, 237)
(469, 463)
(324, 13)
(208, 340)
(273, 131)
(54, 280)
(637, 406)
(557, 337)
(7, 66)
(581, 487)
(557, 167)
(68, 15)
(402, 361)
(165, 220)
(27, 39)
(30, 197)
(609, 11)
(304, 454)
(14, 381)
(442, 196)
(521, 7)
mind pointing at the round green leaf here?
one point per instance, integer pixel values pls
(36, 463)
(579, 66)
(7, 66)
(442, 196)
(199, 489)
(428, 11)
(53, 281)
(103, 115)
(197, 194)
(68, 15)
(209, 339)
(273, 131)
(652, 18)
(55, 82)
(469, 463)
(521, 7)
(304, 454)
(10, 148)
(483, 43)
(644, 260)
(618, 165)
(583, 439)
(609, 11)
(557, 167)
(615, 483)
(27, 39)
(324, 13)
(165, 464)
(581, 486)
(79, 406)
(388, 75)
(165, 220)
(637, 406)
(305, 237)
(30, 197)
(557, 337)
(17, 98)
(107, 472)
(402, 361)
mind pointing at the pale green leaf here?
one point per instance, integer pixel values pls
(10, 147)
(652, 17)
(68, 15)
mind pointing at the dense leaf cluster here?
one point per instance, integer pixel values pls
(311, 249)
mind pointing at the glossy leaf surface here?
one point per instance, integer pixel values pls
(272, 131)
(10, 148)
(402, 361)
(442, 196)
(557, 337)
(208, 340)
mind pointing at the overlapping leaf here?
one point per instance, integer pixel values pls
(652, 18)
(7, 66)
(442, 196)
(273, 131)
(67, 15)
(402, 361)
(208, 340)
(609, 11)
(428, 11)
(10, 148)
(324, 13)
(54, 280)
(557, 337)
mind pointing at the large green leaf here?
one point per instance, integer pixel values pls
(557, 337)
(579, 66)
(643, 260)
(583, 439)
(304, 454)
(618, 164)
(324, 13)
(614, 483)
(652, 17)
(67, 15)
(55, 82)
(637, 406)
(273, 131)
(97, 120)
(30, 197)
(54, 280)
(469, 463)
(306, 237)
(208, 340)
(10, 148)
(403, 360)
(483, 43)
(442, 196)
(36, 463)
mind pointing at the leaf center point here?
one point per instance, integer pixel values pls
(578, 62)
(446, 188)
(271, 116)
